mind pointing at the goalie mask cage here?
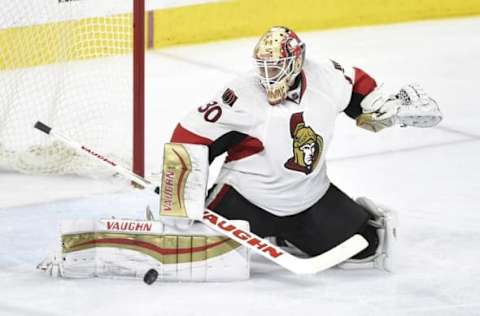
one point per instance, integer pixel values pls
(77, 65)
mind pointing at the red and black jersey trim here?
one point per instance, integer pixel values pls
(218, 198)
(362, 86)
(183, 135)
(303, 84)
(300, 81)
(238, 145)
(248, 146)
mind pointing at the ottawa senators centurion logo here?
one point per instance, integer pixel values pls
(307, 146)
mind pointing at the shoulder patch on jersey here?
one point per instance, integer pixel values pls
(229, 97)
(340, 68)
(337, 65)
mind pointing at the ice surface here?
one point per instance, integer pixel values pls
(431, 176)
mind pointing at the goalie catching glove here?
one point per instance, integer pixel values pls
(411, 106)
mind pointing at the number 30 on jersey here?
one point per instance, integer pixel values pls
(211, 111)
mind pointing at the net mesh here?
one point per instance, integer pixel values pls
(69, 65)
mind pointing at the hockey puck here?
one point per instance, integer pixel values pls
(150, 277)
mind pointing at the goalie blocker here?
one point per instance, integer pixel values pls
(183, 182)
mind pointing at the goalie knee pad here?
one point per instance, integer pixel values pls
(386, 222)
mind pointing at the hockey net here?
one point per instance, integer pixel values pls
(69, 64)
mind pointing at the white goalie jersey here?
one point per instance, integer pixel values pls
(276, 154)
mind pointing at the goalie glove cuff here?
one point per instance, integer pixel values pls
(378, 112)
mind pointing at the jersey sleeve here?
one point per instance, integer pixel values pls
(339, 84)
(363, 84)
(352, 84)
(221, 124)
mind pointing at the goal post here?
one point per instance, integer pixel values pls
(138, 166)
(79, 66)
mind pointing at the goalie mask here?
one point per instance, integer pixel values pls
(279, 56)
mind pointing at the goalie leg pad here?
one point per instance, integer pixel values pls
(386, 222)
(126, 248)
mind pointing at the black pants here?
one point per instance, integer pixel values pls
(330, 221)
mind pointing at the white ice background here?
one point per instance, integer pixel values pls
(430, 176)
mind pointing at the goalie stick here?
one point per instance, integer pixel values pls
(261, 246)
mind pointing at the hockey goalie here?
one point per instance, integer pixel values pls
(275, 126)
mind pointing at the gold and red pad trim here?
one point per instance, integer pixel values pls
(168, 249)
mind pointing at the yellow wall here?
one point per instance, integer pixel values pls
(49, 43)
(241, 18)
(56, 42)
